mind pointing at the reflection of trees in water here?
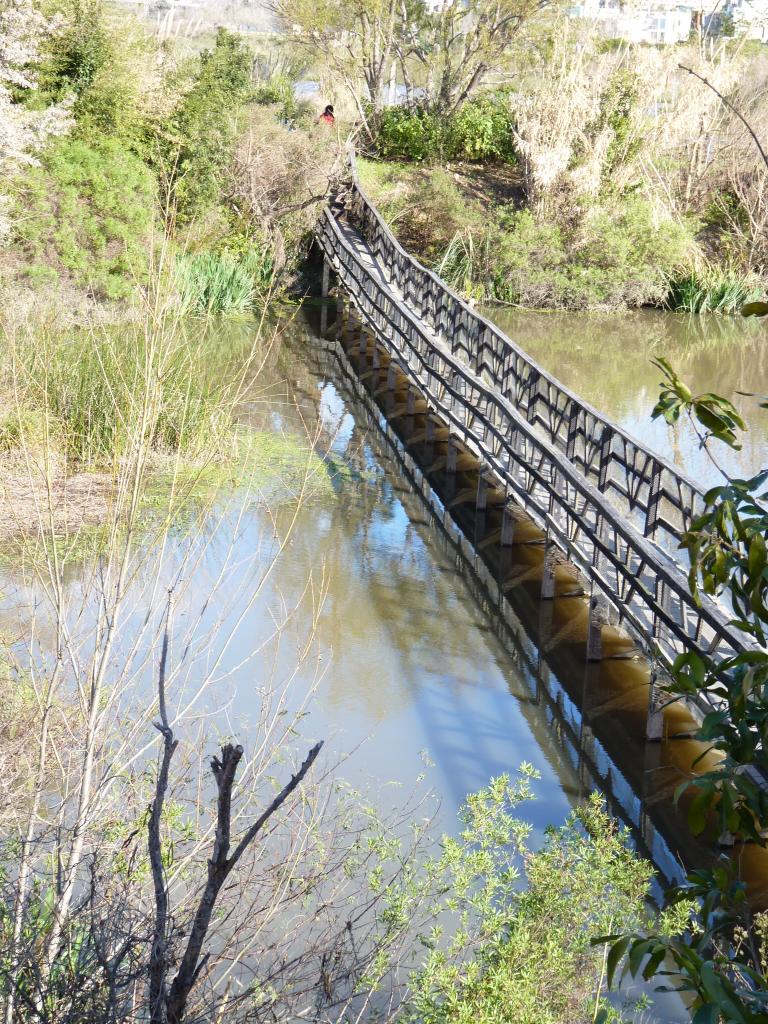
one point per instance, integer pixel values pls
(605, 358)
(404, 632)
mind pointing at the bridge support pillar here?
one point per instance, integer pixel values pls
(324, 291)
(507, 527)
(340, 313)
(595, 631)
(548, 572)
(654, 728)
(586, 754)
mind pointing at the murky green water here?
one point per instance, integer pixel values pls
(606, 358)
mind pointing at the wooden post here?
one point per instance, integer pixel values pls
(340, 313)
(654, 728)
(647, 831)
(548, 572)
(450, 469)
(326, 283)
(481, 503)
(594, 631)
(586, 751)
(325, 288)
(451, 457)
(410, 409)
(481, 500)
(507, 526)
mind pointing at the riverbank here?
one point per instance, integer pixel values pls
(469, 223)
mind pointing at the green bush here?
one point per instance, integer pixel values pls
(482, 130)
(88, 209)
(409, 133)
(204, 128)
(102, 65)
(522, 954)
(614, 256)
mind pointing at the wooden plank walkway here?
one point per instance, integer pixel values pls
(612, 507)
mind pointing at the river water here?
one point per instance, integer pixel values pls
(606, 358)
(412, 678)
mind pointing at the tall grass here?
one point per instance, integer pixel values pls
(712, 290)
(97, 395)
(213, 283)
(464, 263)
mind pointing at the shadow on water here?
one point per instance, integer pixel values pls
(592, 714)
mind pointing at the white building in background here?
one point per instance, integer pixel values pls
(748, 17)
(660, 23)
(665, 22)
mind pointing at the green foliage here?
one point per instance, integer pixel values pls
(608, 255)
(102, 64)
(204, 127)
(100, 392)
(88, 209)
(279, 91)
(220, 282)
(617, 103)
(615, 256)
(522, 954)
(409, 133)
(711, 290)
(722, 960)
(481, 130)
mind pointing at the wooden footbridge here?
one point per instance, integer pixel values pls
(603, 502)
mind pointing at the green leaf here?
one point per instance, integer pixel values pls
(699, 811)
(755, 309)
(615, 956)
(709, 1013)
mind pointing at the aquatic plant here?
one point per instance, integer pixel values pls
(712, 290)
(213, 282)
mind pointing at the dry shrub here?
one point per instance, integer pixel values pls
(281, 177)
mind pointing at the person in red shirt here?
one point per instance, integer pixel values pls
(327, 116)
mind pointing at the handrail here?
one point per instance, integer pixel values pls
(630, 570)
(658, 496)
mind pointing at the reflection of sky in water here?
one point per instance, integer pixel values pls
(606, 360)
(410, 665)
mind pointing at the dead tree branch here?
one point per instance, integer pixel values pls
(220, 865)
(731, 107)
(158, 962)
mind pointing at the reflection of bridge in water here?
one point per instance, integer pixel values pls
(566, 522)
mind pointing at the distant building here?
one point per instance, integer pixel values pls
(740, 17)
(665, 22)
(656, 23)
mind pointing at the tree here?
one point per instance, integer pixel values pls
(356, 40)
(722, 960)
(457, 47)
(23, 131)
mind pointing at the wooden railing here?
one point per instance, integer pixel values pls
(613, 508)
(656, 495)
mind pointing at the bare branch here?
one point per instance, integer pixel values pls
(220, 865)
(730, 107)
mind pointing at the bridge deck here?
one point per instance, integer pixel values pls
(612, 507)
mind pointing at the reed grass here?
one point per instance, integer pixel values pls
(712, 290)
(95, 395)
(222, 283)
(464, 263)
